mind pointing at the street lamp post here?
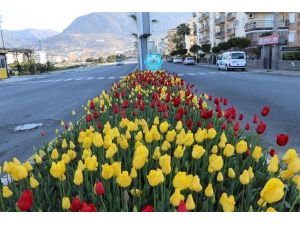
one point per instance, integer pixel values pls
(143, 25)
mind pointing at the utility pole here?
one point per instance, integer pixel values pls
(275, 50)
(1, 32)
(143, 25)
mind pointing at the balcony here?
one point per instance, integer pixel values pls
(220, 34)
(220, 20)
(205, 15)
(230, 16)
(204, 27)
(265, 25)
(203, 40)
(230, 32)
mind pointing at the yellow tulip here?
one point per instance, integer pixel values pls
(72, 146)
(215, 162)
(179, 151)
(107, 141)
(86, 153)
(241, 147)
(261, 203)
(231, 173)
(190, 204)
(165, 146)
(156, 154)
(107, 171)
(117, 167)
(214, 149)
(64, 143)
(133, 173)
(27, 166)
(229, 150)
(289, 156)
(66, 204)
(164, 126)
(294, 165)
(72, 154)
(37, 159)
(176, 198)
(286, 174)
(198, 151)
(139, 161)
(18, 172)
(33, 182)
(165, 164)
(139, 136)
(227, 202)
(220, 177)
(111, 151)
(65, 158)
(244, 177)
(6, 192)
(170, 136)
(54, 154)
(124, 143)
(148, 137)
(189, 139)
(123, 179)
(250, 173)
(97, 140)
(78, 177)
(156, 120)
(296, 180)
(181, 180)
(257, 153)
(58, 170)
(272, 191)
(195, 184)
(136, 192)
(273, 165)
(91, 163)
(211, 133)
(209, 192)
(271, 209)
(155, 177)
(179, 126)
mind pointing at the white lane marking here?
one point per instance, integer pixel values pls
(122, 77)
(69, 79)
(90, 78)
(57, 80)
(180, 74)
(80, 78)
(212, 72)
(110, 78)
(201, 73)
(100, 78)
(191, 74)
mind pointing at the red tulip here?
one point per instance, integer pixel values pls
(125, 104)
(76, 204)
(248, 152)
(139, 96)
(210, 125)
(99, 125)
(223, 127)
(92, 105)
(261, 128)
(96, 114)
(148, 208)
(265, 110)
(115, 108)
(199, 124)
(88, 207)
(210, 98)
(247, 126)
(225, 101)
(282, 139)
(241, 116)
(216, 101)
(181, 207)
(272, 152)
(176, 102)
(255, 120)
(189, 123)
(66, 126)
(117, 95)
(236, 126)
(230, 113)
(99, 188)
(25, 201)
(88, 118)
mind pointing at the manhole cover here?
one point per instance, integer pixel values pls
(28, 126)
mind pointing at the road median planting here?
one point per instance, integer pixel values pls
(153, 144)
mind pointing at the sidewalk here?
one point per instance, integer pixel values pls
(255, 70)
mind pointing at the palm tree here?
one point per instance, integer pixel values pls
(183, 30)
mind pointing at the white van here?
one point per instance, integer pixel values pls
(232, 60)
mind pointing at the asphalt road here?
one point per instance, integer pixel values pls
(249, 92)
(48, 99)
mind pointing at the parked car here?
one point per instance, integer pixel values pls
(189, 61)
(120, 62)
(177, 60)
(232, 60)
(170, 59)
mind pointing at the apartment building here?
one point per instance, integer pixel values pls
(216, 27)
(169, 45)
(294, 29)
(191, 39)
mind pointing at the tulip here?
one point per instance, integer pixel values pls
(272, 152)
(165, 164)
(229, 150)
(176, 198)
(257, 153)
(198, 151)
(6, 192)
(88, 207)
(25, 201)
(296, 180)
(54, 154)
(255, 120)
(227, 202)
(182, 207)
(195, 184)
(123, 179)
(271, 209)
(241, 147)
(289, 156)
(78, 177)
(273, 191)
(261, 128)
(179, 151)
(209, 192)
(34, 183)
(155, 177)
(76, 204)
(265, 110)
(99, 188)
(282, 139)
(231, 173)
(66, 204)
(273, 165)
(190, 204)
(220, 177)
(247, 126)
(244, 178)
(148, 208)
(294, 165)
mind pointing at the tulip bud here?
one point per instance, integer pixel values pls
(135, 209)
(250, 209)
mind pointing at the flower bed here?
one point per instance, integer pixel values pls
(153, 145)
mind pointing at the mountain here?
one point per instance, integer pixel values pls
(26, 37)
(94, 34)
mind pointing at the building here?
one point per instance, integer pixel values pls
(3, 64)
(216, 27)
(40, 57)
(191, 39)
(169, 44)
(294, 29)
(15, 55)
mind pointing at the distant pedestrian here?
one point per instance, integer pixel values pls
(19, 68)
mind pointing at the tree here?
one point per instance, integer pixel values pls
(101, 59)
(215, 50)
(181, 31)
(173, 53)
(238, 42)
(181, 51)
(223, 46)
(206, 48)
(111, 58)
(195, 48)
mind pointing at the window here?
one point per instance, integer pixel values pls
(237, 55)
(292, 36)
(2, 63)
(292, 18)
